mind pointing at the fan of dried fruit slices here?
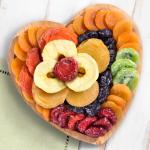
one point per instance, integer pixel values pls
(80, 77)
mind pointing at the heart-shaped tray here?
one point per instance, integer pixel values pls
(48, 24)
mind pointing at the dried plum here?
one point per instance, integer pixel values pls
(105, 33)
(109, 41)
(92, 34)
(82, 38)
(75, 109)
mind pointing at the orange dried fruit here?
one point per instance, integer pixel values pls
(122, 91)
(96, 49)
(47, 100)
(121, 27)
(16, 66)
(32, 30)
(70, 27)
(28, 98)
(100, 19)
(46, 114)
(133, 45)
(117, 109)
(38, 108)
(112, 17)
(81, 99)
(24, 41)
(78, 25)
(117, 100)
(127, 37)
(89, 19)
(19, 52)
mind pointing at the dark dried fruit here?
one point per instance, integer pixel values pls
(73, 120)
(82, 38)
(92, 34)
(85, 123)
(108, 113)
(105, 79)
(109, 41)
(76, 109)
(66, 69)
(95, 132)
(105, 33)
(103, 122)
(55, 113)
(63, 118)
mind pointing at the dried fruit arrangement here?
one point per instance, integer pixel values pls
(80, 77)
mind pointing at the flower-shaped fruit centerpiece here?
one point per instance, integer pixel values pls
(65, 74)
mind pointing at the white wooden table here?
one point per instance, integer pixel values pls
(134, 133)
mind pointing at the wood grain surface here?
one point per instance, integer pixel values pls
(134, 132)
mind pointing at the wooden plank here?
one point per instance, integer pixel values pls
(14, 14)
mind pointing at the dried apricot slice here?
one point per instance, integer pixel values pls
(112, 17)
(89, 19)
(46, 114)
(47, 100)
(117, 109)
(133, 45)
(121, 27)
(40, 31)
(78, 25)
(117, 100)
(100, 19)
(19, 52)
(25, 81)
(28, 97)
(38, 108)
(81, 99)
(127, 37)
(16, 65)
(122, 91)
(24, 42)
(32, 30)
(70, 27)
(96, 49)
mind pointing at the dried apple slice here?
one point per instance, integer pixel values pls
(24, 41)
(47, 100)
(78, 25)
(81, 99)
(19, 52)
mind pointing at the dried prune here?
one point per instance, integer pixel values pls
(105, 33)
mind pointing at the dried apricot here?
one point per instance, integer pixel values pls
(24, 42)
(133, 45)
(38, 108)
(81, 99)
(100, 19)
(117, 109)
(47, 100)
(32, 30)
(28, 97)
(89, 19)
(16, 65)
(121, 27)
(19, 52)
(122, 91)
(78, 25)
(112, 17)
(117, 100)
(127, 37)
(70, 27)
(46, 114)
(96, 49)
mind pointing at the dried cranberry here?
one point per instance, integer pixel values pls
(55, 113)
(95, 132)
(85, 123)
(66, 69)
(74, 119)
(104, 122)
(64, 118)
(108, 113)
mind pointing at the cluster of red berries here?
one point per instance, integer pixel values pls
(92, 126)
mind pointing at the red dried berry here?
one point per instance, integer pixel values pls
(103, 122)
(74, 119)
(85, 123)
(108, 113)
(33, 59)
(95, 132)
(64, 118)
(25, 80)
(55, 113)
(66, 69)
